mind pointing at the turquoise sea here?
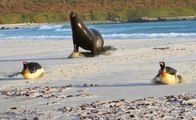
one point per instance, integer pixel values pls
(173, 29)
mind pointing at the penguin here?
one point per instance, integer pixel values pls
(167, 75)
(32, 70)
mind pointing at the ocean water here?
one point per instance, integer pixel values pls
(173, 29)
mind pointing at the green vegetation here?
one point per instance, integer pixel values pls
(39, 11)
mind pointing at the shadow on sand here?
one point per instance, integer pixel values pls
(86, 55)
(115, 85)
(10, 78)
(33, 59)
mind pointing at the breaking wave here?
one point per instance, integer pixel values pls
(110, 36)
(150, 35)
(176, 29)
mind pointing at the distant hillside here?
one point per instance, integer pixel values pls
(39, 11)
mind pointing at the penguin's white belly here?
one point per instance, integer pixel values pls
(31, 76)
(168, 79)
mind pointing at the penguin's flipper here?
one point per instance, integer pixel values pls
(14, 74)
(156, 79)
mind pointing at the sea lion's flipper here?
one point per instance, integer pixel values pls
(76, 55)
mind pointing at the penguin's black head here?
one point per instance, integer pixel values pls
(25, 65)
(162, 64)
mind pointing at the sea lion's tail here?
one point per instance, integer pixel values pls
(105, 49)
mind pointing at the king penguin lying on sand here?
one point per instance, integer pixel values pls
(167, 75)
(88, 39)
(32, 70)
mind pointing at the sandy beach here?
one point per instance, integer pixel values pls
(123, 76)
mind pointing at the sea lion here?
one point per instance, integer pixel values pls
(88, 39)
(32, 70)
(167, 75)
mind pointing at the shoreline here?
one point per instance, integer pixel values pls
(140, 20)
(165, 19)
(148, 19)
(20, 25)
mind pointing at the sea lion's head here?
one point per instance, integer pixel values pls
(76, 20)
